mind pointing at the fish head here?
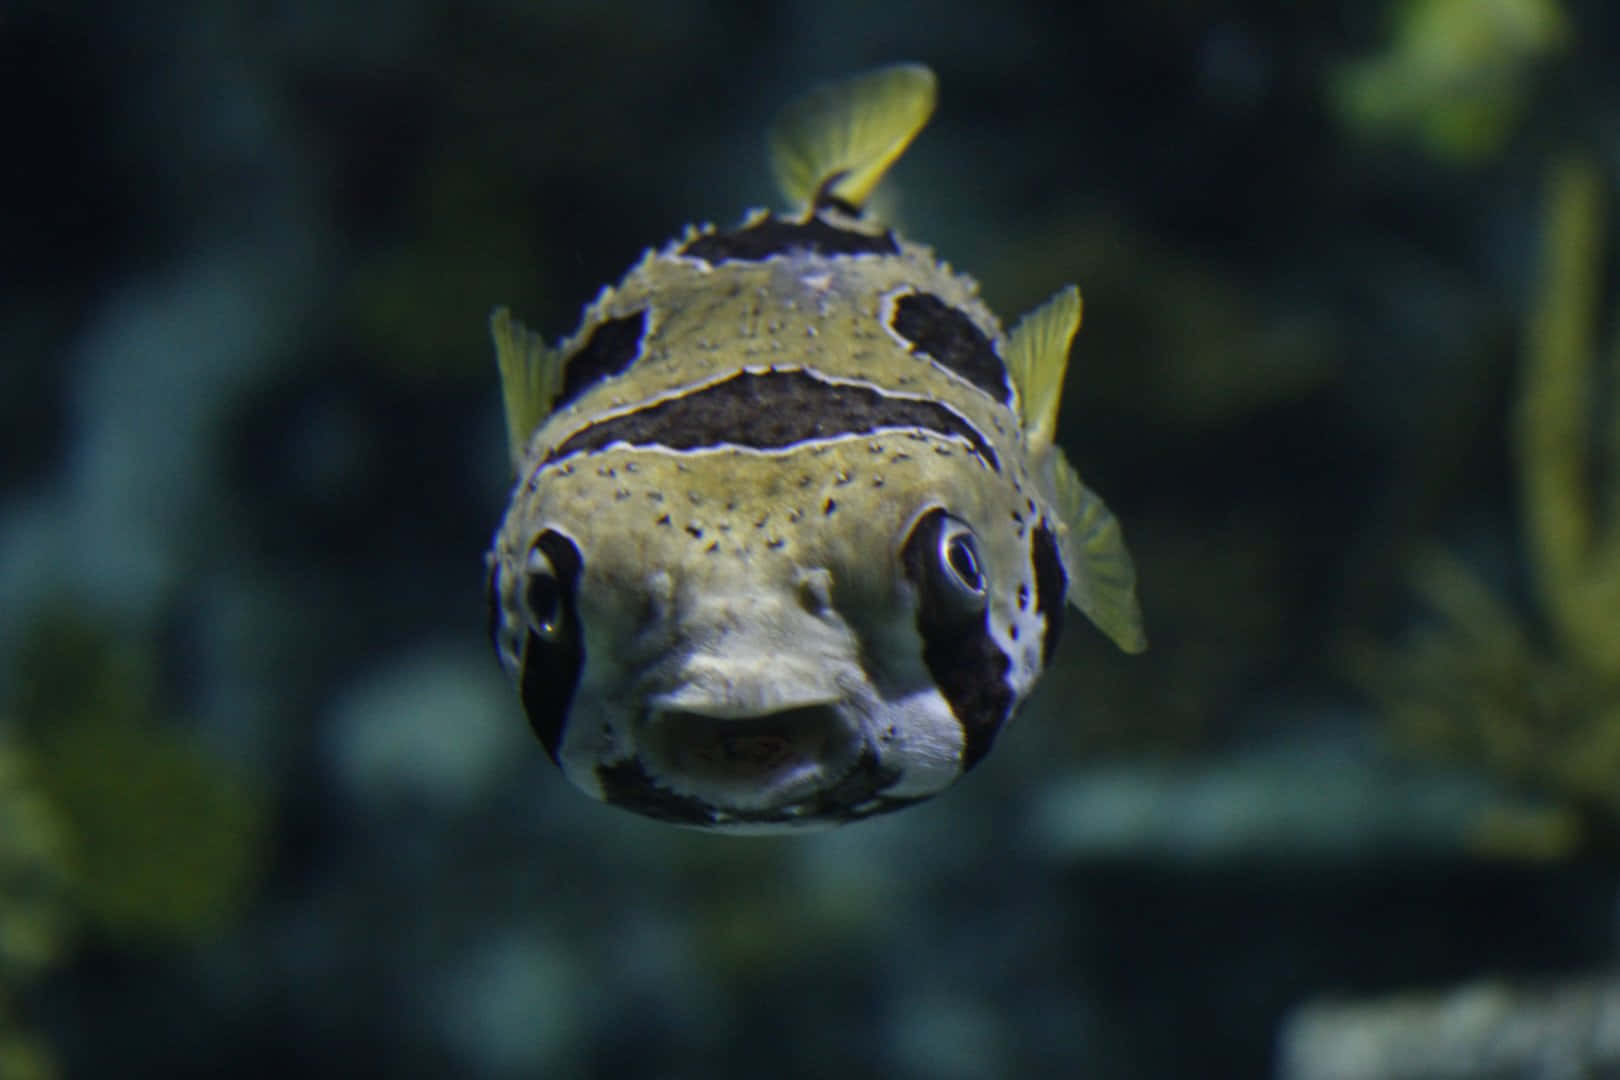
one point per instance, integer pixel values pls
(761, 643)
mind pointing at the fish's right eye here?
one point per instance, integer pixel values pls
(542, 595)
(553, 655)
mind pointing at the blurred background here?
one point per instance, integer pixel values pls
(1347, 376)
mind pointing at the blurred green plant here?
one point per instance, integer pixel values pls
(1456, 76)
(34, 906)
(1543, 709)
(112, 820)
(1572, 532)
(168, 840)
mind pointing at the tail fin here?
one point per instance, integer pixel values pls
(835, 143)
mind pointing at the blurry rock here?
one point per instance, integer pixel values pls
(512, 1006)
(437, 725)
(1484, 1029)
(1310, 801)
(948, 1036)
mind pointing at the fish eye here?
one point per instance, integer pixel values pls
(542, 594)
(550, 575)
(960, 554)
(941, 557)
(551, 653)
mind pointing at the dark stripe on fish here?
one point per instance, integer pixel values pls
(967, 665)
(952, 340)
(772, 235)
(610, 350)
(772, 410)
(1051, 586)
(628, 784)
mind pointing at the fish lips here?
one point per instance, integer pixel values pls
(750, 762)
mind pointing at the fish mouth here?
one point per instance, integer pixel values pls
(750, 762)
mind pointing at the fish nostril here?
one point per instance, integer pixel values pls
(815, 590)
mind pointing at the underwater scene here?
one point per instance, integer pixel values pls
(309, 583)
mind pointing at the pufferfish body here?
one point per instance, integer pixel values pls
(790, 540)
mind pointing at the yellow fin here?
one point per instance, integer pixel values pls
(531, 378)
(1102, 580)
(1037, 354)
(848, 133)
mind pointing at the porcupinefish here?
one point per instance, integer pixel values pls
(790, 540)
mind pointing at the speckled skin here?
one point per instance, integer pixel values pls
(741, 582)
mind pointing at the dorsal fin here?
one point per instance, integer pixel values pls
(835, 143)
(531, 378)
(1037, 355)
(1102, 579)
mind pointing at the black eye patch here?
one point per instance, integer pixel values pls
(967, 665)
(552, 663)
(1051, 586)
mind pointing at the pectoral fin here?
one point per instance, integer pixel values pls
(1037, 356)
(531, 378)
(837, 141)
(1102, 580)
